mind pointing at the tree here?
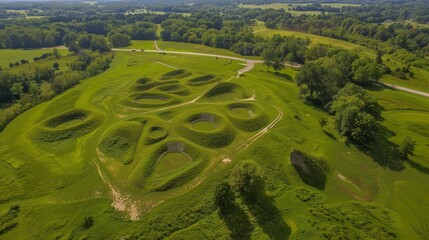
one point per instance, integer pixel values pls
(70, 38)
(379, 59)
(46, 91)
(17, 90)
(268, 56)
(278, 64)
(224, 197)
(88, 222)
(56, 53)
(84, 41)
(321, 81)
(99, 43)
(34, 91)
(365, 71)
(247, 179)
(56, 65)
(356, 114)
(74, 48)
(406, 147)
(120, 40)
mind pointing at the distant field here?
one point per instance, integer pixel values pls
(15, 55)
(183, 47)
(143, 11)
(288, 7)
(412, 23)
(25, 13)
(315, 39)
(142, 44)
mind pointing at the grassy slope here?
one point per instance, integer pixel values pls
(56, 208)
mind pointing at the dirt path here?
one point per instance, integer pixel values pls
(260, 30)
(156, 46)
(167, 65)
(259, 134)
(424, 94)
(121, 202)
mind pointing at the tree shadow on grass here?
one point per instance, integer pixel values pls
(237, 222)
(383, 151)
(269, 218)
(282, 75)
(377, 87)
(418, 166)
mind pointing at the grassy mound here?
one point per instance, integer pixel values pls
(202, 80)
(176, 74)
(248, 117)
(144, 84)
(169, 166)
(120, 141)
(312, 170)
(226, 91)
(174, 88)
(207, 129)
(155, 134)
(167, 116)
(149, 100)
(71, 124)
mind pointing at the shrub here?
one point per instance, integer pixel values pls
(406, 147)
(88, 222)
(312, 170)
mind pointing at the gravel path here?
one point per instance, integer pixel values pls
(425, 94)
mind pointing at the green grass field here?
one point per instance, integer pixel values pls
(288, 7)
(140, 148)
(183, 47)
(15, 55)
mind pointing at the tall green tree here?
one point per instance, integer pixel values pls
(17, 90)
(247, 179)
(268, 56)
(365, 71)
(120, 40)
(322, 82)
(356, 114)
(99, 43)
